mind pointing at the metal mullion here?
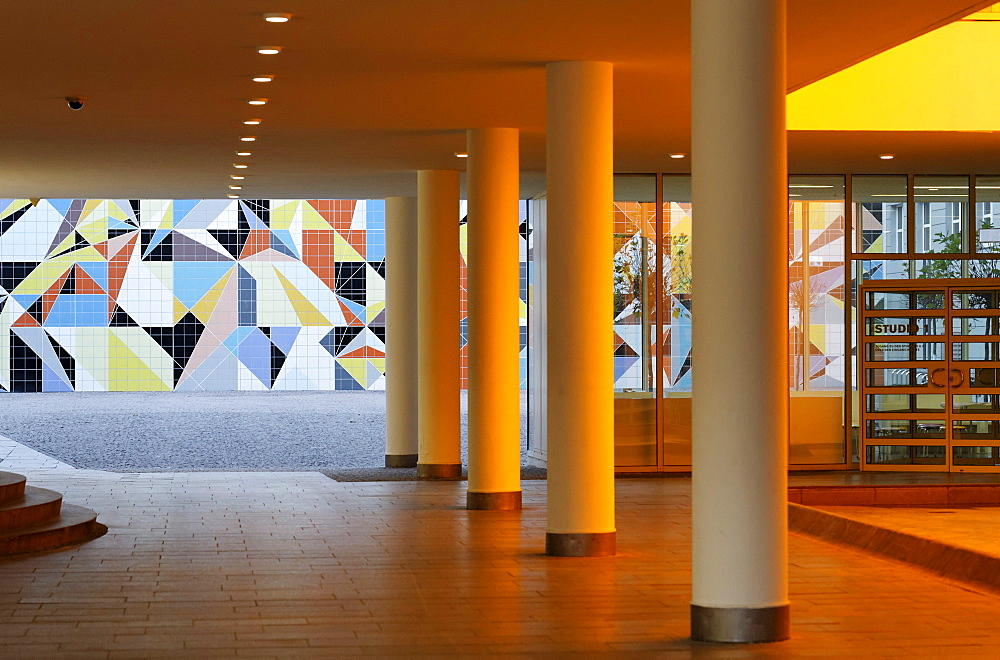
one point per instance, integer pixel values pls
(852, 303)
(658, 293)
(910, 218)
(971, 219)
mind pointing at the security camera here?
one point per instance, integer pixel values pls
(75, 102)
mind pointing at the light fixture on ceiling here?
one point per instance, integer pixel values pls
(236, 187)
(238, 177)
(244, 153)
(677, 155)
(274, 17)
(257, 101)
(886, 156)
(251, 122)
(262, 78)
(269, 50)
(240, 166)
(806, 185)
(233, 196)
(248, 138)
(461, 154)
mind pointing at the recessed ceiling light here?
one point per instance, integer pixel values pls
(677, 155)
(461, 154)
(262, 78)
(251, 122)
(240, 166)
(269, 50)
(244, 153)
(248, 138)
(886, 156)
(256, 101)
(236, 187)
(233, 196)
(236, 176)
(272, 17)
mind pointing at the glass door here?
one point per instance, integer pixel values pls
(929, 391)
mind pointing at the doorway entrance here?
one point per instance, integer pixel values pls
(929, 363)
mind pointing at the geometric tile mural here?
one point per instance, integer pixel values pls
(190, 295)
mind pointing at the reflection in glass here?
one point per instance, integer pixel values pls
(975, 351)
(975, 456)
(905, 402)
(981, 299)
(975, 325)
(634, 310)
(892, 300)
(904, 351)
(882, 269)
(880, 212)
(986, 377)
(974, 429)
(816, 282)
(940, 205)
(987, 226)
(965, 403)
(890, 428)
(906, 455)
(897, 377)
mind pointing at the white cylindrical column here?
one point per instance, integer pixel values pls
(492, 185)
(740, 322)
(401, 332)
(438, 366)
(580, 367)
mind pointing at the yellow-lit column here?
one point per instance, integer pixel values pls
(740, 397)
(492, 185)
(401, 332)
(438, 366)
(579, 366)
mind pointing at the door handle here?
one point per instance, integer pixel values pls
(935, 372)
(961, 378)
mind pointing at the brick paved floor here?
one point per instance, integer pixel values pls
(298, 565)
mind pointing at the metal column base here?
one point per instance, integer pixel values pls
(439, 470)
(510, 501)
(580, 545)
(740, 625)
(400, 460)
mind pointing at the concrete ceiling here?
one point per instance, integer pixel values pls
(367, 91)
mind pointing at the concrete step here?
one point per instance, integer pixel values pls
(982, 494)
(11, 486)
(36, 505)
(74, 524)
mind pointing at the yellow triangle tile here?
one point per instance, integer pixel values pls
(88, 253)
(311, 218)
(43, 277)
(357, 367)
(305, 310)
(203, 308)
(344, 251)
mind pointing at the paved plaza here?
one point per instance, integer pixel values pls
(294, 564)
(168, 431)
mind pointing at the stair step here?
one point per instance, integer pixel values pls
(11, 486)
(75, 524)
(37, 505)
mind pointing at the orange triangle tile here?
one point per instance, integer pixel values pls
(26, 321)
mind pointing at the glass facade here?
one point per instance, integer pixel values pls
(874, 227)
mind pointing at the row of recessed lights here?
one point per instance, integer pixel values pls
(271, 17)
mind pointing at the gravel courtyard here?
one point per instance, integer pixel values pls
(173, 431)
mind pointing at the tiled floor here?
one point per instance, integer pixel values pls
(298, 565)
(973, 528)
